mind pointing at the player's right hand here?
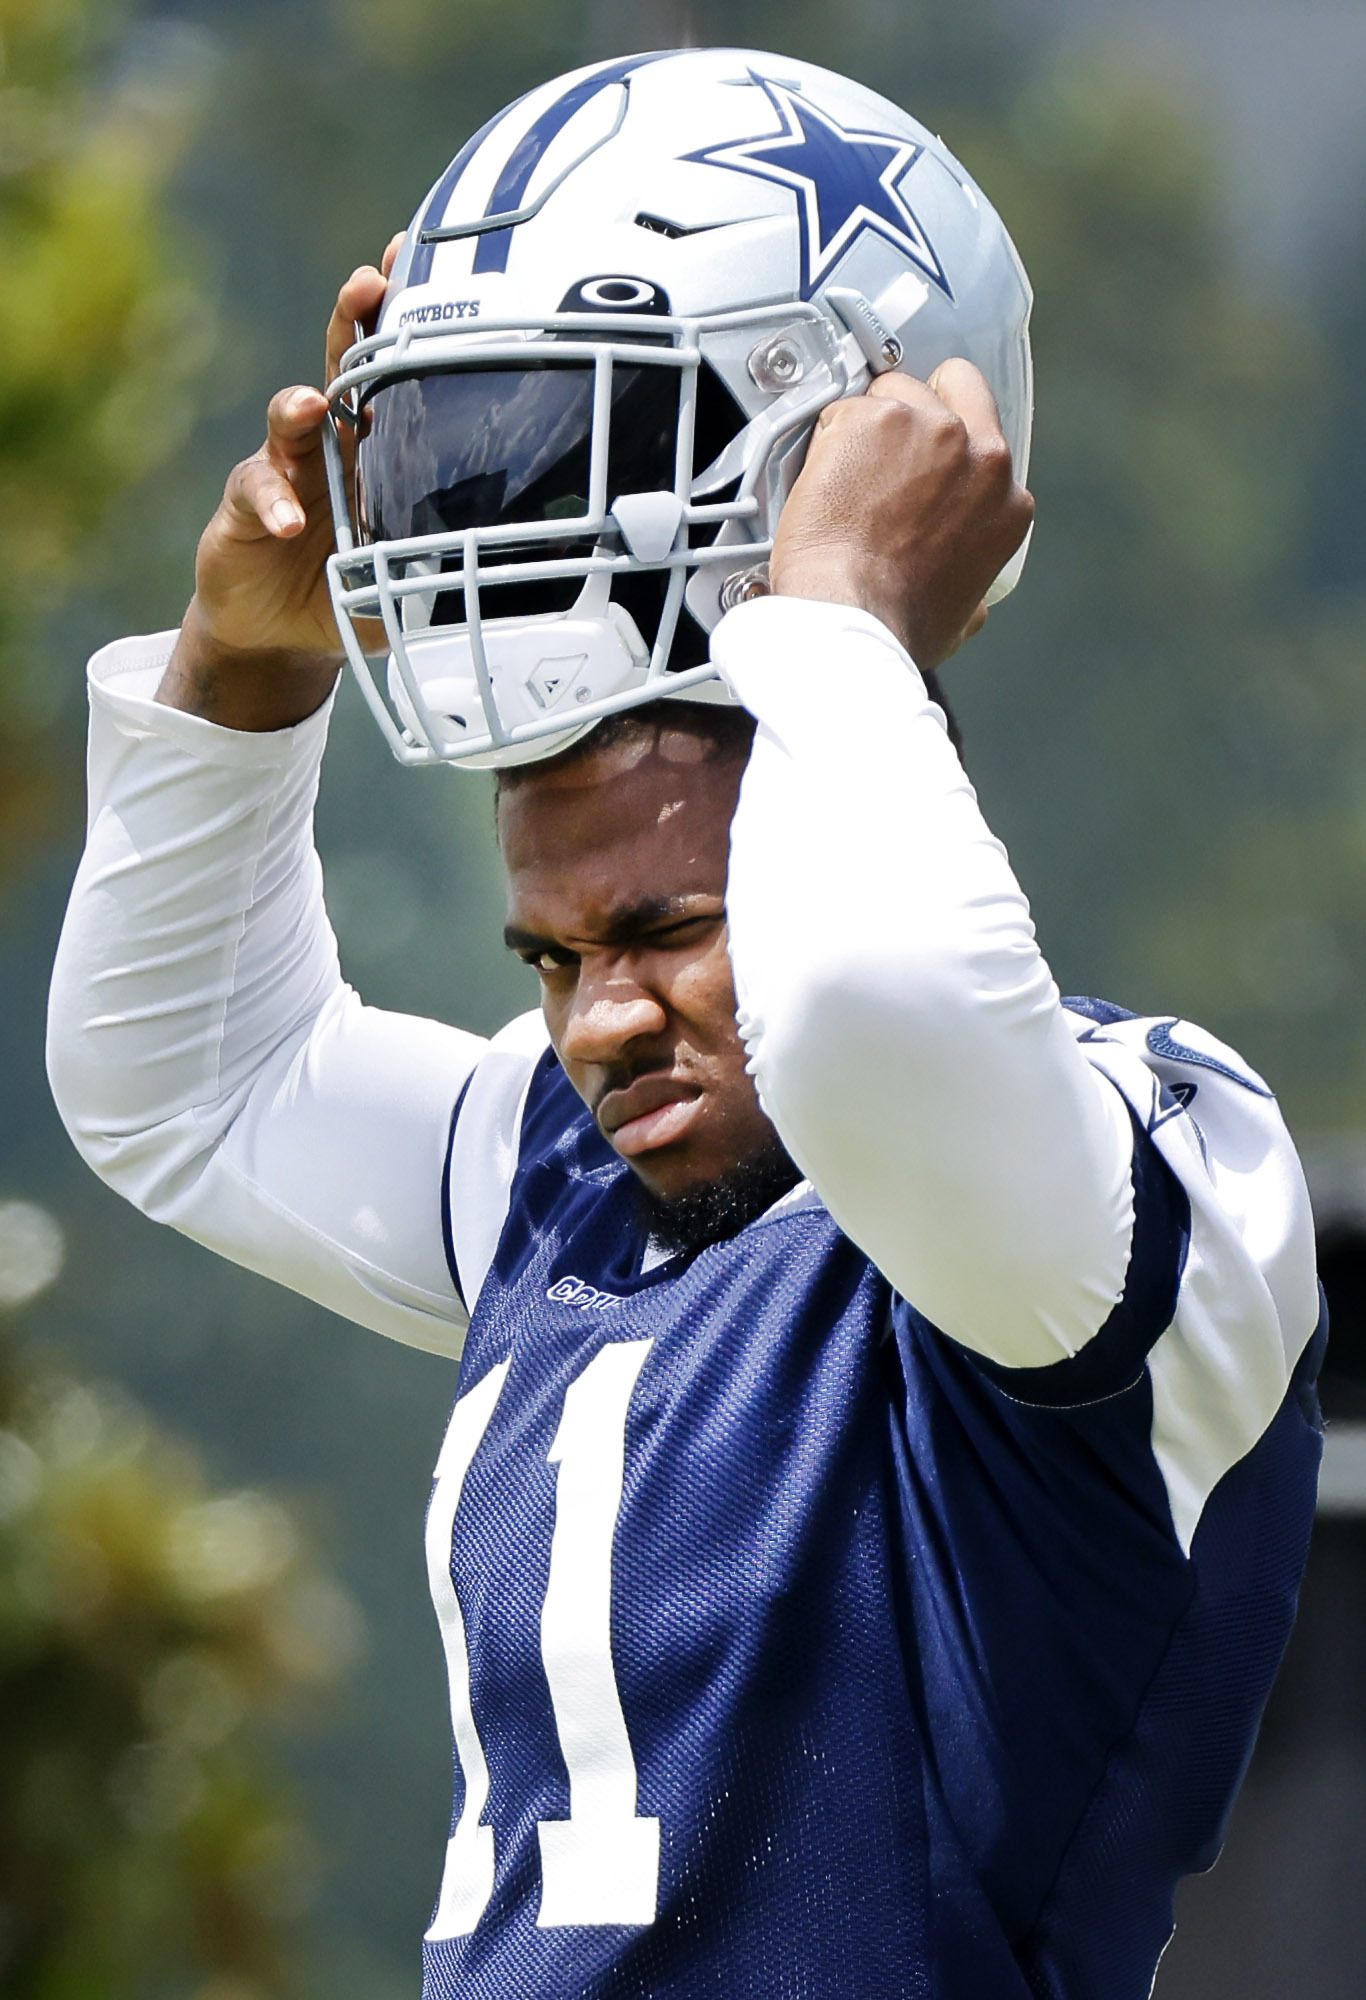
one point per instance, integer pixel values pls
(907, 506)
(259, 648)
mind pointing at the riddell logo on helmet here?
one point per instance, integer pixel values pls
(450, 309)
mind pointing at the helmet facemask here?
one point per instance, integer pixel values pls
(543, 520)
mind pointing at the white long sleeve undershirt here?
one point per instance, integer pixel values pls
(905, 1034)
(904, 1030)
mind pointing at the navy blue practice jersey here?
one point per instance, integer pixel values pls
(798, 1651)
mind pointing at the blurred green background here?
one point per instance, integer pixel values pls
(1167, 726)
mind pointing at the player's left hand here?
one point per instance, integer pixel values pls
(907, 507)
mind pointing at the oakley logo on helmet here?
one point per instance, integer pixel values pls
(845, 181)
(615, 295)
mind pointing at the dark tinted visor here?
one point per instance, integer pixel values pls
(489, 447)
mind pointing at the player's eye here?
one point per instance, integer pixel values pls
(546, 962)
(684, 931)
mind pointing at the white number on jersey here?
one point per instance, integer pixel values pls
(467, 1881)
(601, 1865)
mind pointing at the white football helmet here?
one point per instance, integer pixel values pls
(605, 341)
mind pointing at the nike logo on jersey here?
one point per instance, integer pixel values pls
(1163, 1044)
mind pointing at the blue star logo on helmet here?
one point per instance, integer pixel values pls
(845, 182)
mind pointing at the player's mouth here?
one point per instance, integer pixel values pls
(653, 1111)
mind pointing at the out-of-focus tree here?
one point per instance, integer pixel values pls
(100, 328)
(1171, 439)
(147, 1625)
(1213, 843)
(1270, 923)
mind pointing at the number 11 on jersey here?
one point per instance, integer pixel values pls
(601, 1865)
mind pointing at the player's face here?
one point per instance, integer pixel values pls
(617, 875)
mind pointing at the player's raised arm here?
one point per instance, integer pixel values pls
(259, 649)
(205, 1054)
(906, 1033)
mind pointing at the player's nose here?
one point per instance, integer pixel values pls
(609, 1014)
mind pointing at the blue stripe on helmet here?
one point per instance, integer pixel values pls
(420, 269)
(492, 253)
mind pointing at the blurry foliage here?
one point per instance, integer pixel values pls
(1183, 757)
(1172, 410)
(144, 1622)
(100, 329)
(1171, 442)
(1180, 425)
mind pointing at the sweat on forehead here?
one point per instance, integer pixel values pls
(676, 732)
(647, 809)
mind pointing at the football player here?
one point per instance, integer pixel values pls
(885, 1441)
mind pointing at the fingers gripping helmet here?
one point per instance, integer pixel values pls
(609, 332)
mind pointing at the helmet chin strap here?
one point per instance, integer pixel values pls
(497, 676)
(537, 668)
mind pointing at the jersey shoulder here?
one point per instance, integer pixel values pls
(1248, 1306)
(1217, 1124)
(485, 1146)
